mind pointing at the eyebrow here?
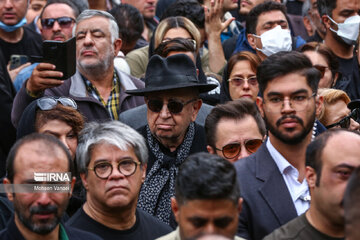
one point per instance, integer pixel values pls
(273, 22)
(281, 94)
(345, 165)
(91, 31)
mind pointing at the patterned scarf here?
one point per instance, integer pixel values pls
(159, 185)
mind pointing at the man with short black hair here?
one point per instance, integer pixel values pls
(330, 160)
(171, 94)
(341, 19)
(111, 160)
(234, 130)
(38, 214)
(203, 202)
(273, 178)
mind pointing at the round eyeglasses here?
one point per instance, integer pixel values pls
(104, 169)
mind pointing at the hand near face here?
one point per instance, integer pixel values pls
(43, 77)
(213, 18)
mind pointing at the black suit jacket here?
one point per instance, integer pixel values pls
(267, 200)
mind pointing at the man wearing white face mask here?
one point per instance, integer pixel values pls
(342, 22)
(268, 30)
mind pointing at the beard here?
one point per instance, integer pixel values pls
(295, 139)
(41, 227)
(101, 66)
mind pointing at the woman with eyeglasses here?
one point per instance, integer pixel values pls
(335, 113)
(323, 60)
(239, 78)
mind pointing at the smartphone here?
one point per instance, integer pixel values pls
(62, 55)
(17, 60)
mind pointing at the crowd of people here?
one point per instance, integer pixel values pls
(184, 119)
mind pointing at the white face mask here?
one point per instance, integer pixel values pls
(349, 30)
(275, 40)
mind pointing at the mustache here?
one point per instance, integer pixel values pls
(88, 49)
(58, 35)
(278, 122)
(43, 209)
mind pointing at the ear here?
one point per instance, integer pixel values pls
(84, 181)
(259, 103)
(7, 186)
(319, 101)
(144, 167)
(310, 175)
(175, 209)
(117, 46)
(327, 22)
(210, 149)
(196, 108)
(240, 202)
(252, 40)
(73, 180)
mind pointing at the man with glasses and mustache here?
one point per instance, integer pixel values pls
(98, 87)
(112, 159)
(272, 180)
(234, 130)
(171, 94)
(38, 214)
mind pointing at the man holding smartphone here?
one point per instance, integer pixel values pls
(97, 86)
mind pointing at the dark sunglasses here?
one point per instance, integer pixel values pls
(64, 22)
(321, 69)
(345, 122)
(233, 150)
(48, 103)
(174, 106)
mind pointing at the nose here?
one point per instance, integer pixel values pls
(210, 228)
(43, 199)
(244, 152)
(88, 39)
(354, 125)
(115, 174)
(246, 84)
(8, 4)
(286, 106)
(56, 27)
(164, 113)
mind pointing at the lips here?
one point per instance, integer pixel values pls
(116, 188)
(245, 3)
(289, 123)
(88, 53)
(164, 126)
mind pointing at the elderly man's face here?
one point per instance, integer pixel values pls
(117, 190)
(58, 32)
(170, 128)
(38, 212)
(94, 50)
(12, 11)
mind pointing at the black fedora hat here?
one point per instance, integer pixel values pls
(354, 104)
(174, 72)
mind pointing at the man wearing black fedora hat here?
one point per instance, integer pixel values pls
(171, 94)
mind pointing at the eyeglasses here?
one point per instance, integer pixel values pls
(345, 122)
(64, 22)
(48, 103)
(238, 81)
(104, 170)
(298, 102)
(174, 106)
(321, 69)
(233, 150)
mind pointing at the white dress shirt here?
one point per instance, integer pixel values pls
(299, 191)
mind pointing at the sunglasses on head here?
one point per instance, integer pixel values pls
(321, 69)
(233, 150)
(48, 103)
(64, 22)
(174, 106)
(345, 122)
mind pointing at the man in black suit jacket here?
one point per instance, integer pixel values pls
(272, 180)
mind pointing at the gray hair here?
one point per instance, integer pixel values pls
(114, 133)
(305, 8)
(90, 13)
